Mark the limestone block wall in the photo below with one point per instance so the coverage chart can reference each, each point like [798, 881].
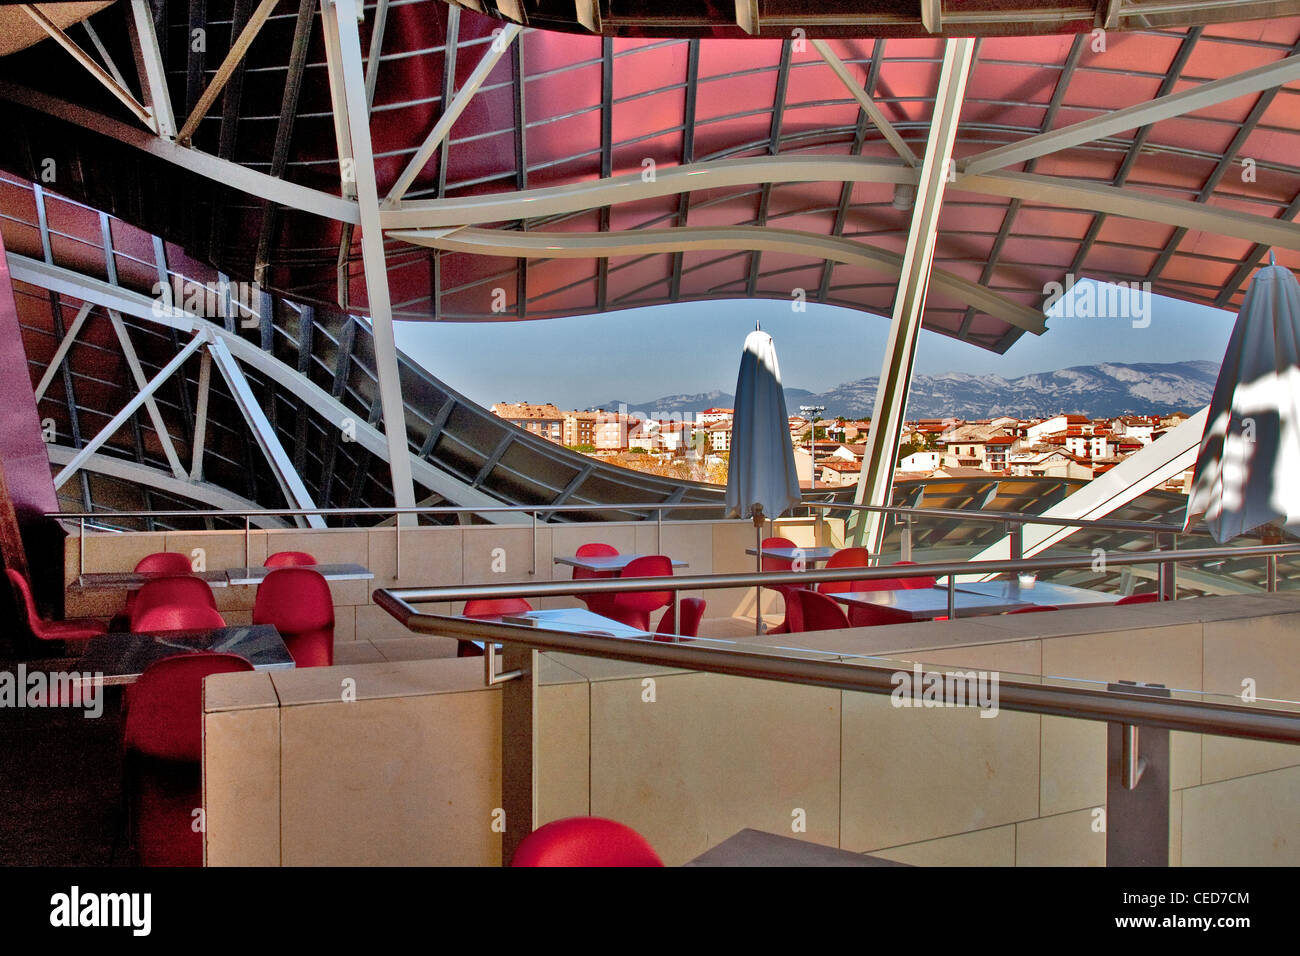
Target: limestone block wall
[409, 771]
[479, 554]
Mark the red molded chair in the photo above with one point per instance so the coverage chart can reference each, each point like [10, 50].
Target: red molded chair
[597, 603]
[289, 559]
[177, 617]
[864, 615]
[820, 613]
[633, 608]
[791, 624]
[170, 563]
[1034, 609]
[690, 611]
[917, 582]
[488, 607]
[297, 602]
[72, 629]
[163, 747]
[585, 841]
[495, 607]
[846, 558]
[183, 589]
[1148, 598]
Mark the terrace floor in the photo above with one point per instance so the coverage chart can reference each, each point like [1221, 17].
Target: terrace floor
[60, 782]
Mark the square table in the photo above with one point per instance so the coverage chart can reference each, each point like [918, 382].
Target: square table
[330, 572]
[923, 604]
[608, 562]
[810, 555]
[1041, 592]
[756, 848]
[123, 657]
[134, 580]
[575, 620]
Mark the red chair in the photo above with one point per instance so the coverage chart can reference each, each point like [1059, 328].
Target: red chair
[633, 607]
[184, 589]
[488, 607]
[871, 615]
[689, 611]
[170, 563]
[917, 582]
[72, 629]
[289, 559]
[846, 558]
[1149, 598]
[164, 562]
[298, 603]
[791, 624]
[1034, 609]
[585, 841]
[495, 607]
[163, 746]
[820, 613]
[597, 603]
[177, 617]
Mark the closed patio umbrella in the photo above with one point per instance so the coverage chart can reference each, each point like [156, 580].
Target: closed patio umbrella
[1248, 469]
[761, 467]
[761, 477]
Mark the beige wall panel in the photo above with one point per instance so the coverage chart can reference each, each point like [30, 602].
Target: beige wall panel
[563, 751]
[398, 781]
[1250, 821]
[993, 847]
[1065, 840]
[713, 755]
[914, 774]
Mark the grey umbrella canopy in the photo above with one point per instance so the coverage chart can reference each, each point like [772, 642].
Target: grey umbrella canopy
[761, 468]
[1248, 469]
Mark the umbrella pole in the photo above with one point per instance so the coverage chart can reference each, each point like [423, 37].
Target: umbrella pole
[758, 560]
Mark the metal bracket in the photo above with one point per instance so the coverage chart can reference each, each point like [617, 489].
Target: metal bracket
[1137, 788]
[491, 676]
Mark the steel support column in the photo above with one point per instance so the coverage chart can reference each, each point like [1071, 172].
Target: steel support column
[346, 44]
[877, 476]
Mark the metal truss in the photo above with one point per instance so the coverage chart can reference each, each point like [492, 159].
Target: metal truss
[201, 493]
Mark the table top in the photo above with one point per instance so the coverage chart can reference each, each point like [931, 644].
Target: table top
[810, 555]
[1042, 592]
[922, 604]
[576, 620]
[756, 848]
[134, 580]
[331, 572]
[123, 657]
[607, 562]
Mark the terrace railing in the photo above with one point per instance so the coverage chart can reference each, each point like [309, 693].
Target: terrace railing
[1139, 717]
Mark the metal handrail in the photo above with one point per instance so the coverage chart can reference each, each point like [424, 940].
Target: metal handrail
[697, 582]
[1193, 716]
[894, 510]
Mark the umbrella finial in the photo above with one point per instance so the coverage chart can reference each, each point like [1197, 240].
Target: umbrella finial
[757, 326]
[1272, 257]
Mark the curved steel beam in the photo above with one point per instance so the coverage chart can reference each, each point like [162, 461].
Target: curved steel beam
[222, 171]
[633, 242]
[575, 197]
[89, 289]
[1141, 114]
[203, 492]
[1096, 197]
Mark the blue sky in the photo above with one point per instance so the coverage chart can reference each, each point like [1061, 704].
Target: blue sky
[642, 354]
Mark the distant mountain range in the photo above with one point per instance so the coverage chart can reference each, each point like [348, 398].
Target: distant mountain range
[1097, 391]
